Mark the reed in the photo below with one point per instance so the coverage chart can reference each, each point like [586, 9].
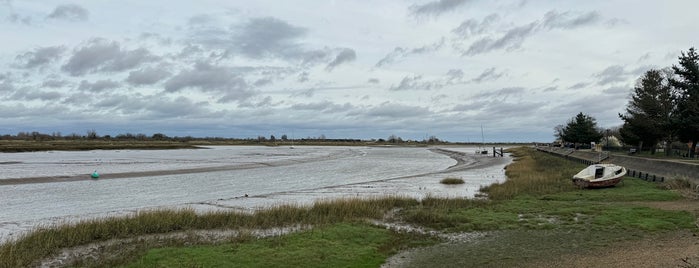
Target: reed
[533, 173]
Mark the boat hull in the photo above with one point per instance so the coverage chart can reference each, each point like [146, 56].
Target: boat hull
[596, 184]
[599, 176]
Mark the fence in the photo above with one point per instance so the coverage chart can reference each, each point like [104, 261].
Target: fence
[585, 159]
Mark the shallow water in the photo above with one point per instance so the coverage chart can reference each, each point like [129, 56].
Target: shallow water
[267, 175]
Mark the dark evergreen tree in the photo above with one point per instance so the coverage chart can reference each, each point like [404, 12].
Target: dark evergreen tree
[581, 129]
[686, 82]
[648, 114]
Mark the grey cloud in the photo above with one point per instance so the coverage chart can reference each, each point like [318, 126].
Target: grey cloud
[102, 55]
[511, 110]
[98, 86]
[473, 106]
[262, 82]
[262, 37]
[346, 55]
[399, 53]
[201, 20]
[7, 86]
[565, 20]
[502, 93]
[127, 104]
[611, 74]
[16, 18]
[208, 78]
[510, 40]
[69, 12]
[77, 98]
[265, 102]
[550, 89]
[147, 76]
[472, 27]
[13, 16]
[303, 77]
[515, 37]
[488, 75]
[618, 91]
[326, 106]
[415, 83]
[455, 75]
[156, 37]
[305, 93]
[591, 105]
[391, 57]
[54, 83]
[310, 57]
[615, 21]
[128, 59]
[29, 95]
[178, 107]
[373, 81]
[578, 85]
[644, 57]
[394, 110]
[40, 56]
[436, 8]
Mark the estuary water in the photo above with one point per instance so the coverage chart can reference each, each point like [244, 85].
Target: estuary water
[45, 188]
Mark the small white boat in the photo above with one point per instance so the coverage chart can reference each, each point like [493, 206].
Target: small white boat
[599, 175]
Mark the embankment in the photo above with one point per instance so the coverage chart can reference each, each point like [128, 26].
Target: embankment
[648, 168]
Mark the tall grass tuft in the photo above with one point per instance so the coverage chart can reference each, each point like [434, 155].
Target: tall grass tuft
[452, 181]
[534, 173]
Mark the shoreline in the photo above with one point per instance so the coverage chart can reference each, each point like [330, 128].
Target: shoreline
[414, 184]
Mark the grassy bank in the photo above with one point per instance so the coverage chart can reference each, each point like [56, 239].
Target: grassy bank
[337, 245]
[535, 215]
[82, 145]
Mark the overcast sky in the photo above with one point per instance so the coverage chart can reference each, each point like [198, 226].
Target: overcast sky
[343, 69]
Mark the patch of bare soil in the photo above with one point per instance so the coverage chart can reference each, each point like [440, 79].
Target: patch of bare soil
[101, 250]
[678, 249]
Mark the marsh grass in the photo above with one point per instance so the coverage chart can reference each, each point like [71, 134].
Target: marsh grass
[79, 145]
[533, 173]
[335, 245]
[45, 241]
[452, 181]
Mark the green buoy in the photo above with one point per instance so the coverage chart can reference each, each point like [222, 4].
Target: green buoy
[95, 175]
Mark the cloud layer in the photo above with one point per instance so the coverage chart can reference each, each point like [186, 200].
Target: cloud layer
[343, 70]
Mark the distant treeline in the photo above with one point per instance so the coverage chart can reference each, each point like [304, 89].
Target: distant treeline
[93, 135]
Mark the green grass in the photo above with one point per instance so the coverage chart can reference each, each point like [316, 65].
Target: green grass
[339, 245]
[515, 248]
[536, 214]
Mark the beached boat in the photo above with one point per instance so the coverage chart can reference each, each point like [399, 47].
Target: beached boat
[599, 175]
